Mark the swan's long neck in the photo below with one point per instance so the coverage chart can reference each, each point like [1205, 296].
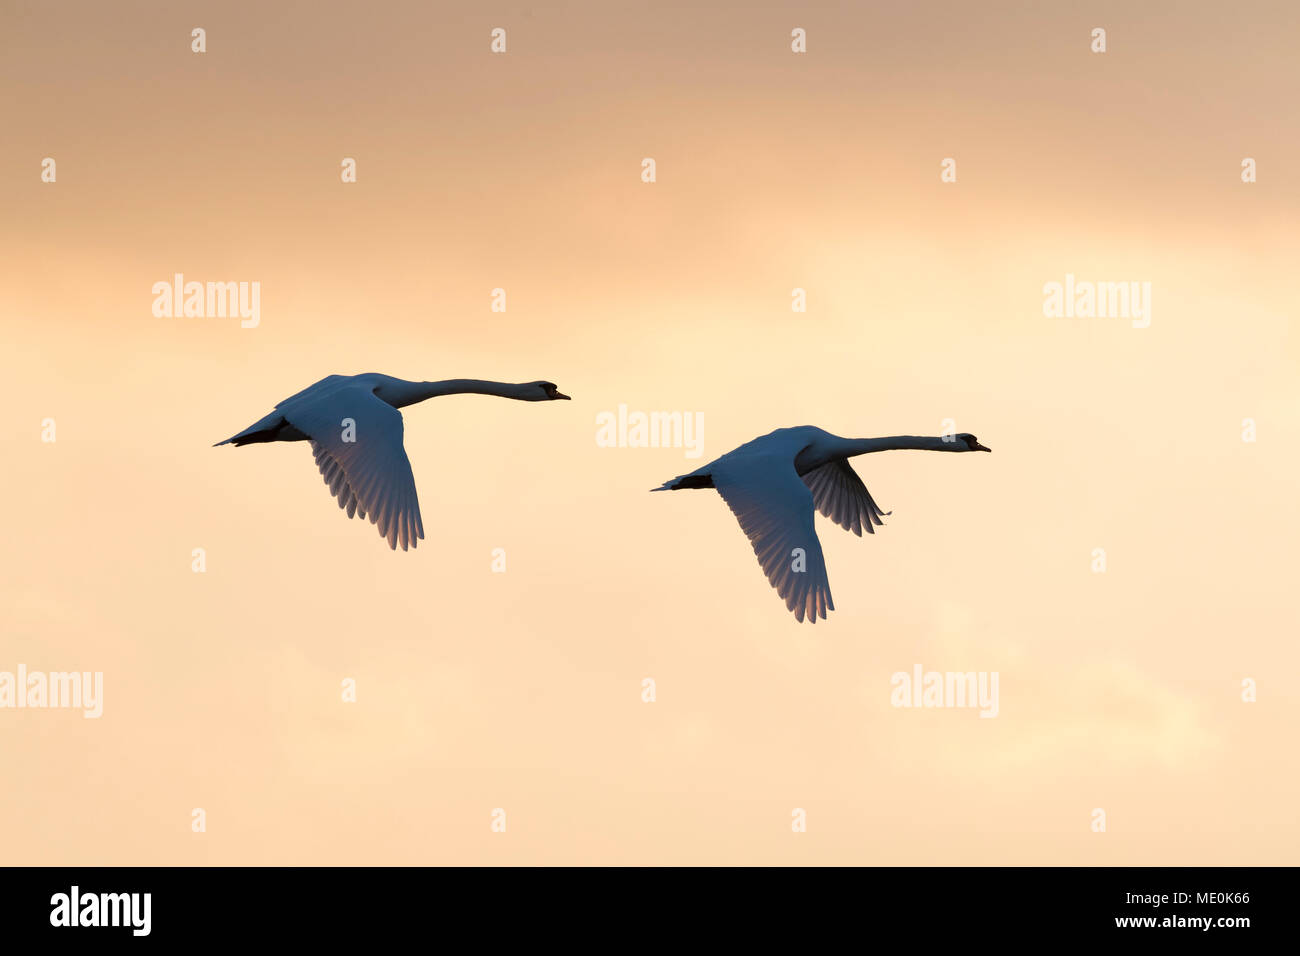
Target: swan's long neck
[864, 446]
[408, 393]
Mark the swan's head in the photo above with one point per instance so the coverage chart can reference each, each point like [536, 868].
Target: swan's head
[543, 392]
[970, 442]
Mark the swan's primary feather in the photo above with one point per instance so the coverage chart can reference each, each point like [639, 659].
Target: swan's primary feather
[840, 495]
[775, 510]
[371, 475]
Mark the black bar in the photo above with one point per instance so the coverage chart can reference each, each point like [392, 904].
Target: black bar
[209, 904]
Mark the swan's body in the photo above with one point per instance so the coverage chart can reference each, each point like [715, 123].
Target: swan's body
[355, 430]
[773, 483]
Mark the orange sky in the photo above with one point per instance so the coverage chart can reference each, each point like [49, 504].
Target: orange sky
[522, 690]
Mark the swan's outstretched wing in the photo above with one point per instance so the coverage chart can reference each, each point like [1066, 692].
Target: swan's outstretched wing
[357, 440]
[775, 510]
[840, 495]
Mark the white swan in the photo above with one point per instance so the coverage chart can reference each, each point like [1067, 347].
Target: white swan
[355, 430]
[772, 485]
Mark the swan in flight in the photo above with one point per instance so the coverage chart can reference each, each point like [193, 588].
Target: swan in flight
[773, 483]
[355, 430]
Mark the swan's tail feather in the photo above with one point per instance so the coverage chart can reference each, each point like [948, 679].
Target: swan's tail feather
[692, 480]
[271, 428]
[246, 438]
[238, 440]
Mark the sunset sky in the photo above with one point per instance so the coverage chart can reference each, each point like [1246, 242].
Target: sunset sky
[775, 171]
